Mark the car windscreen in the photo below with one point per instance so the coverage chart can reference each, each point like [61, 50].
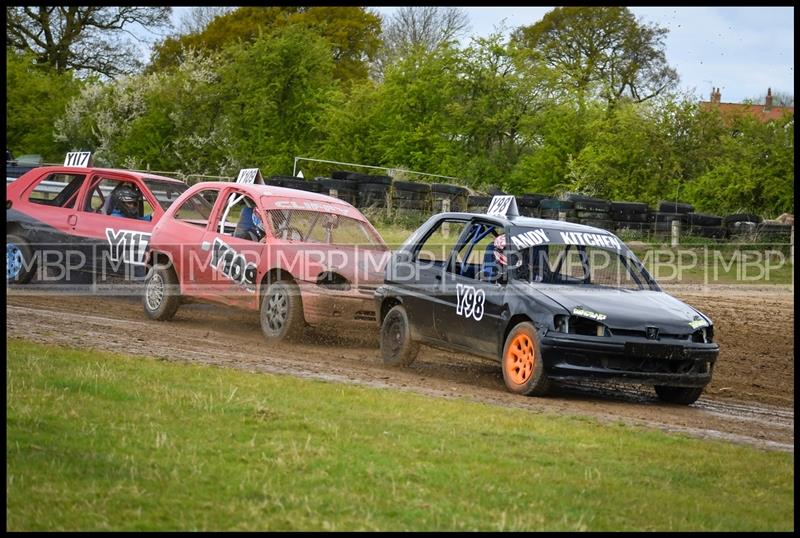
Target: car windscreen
[165, 192]
[321, 227]
[576, 258]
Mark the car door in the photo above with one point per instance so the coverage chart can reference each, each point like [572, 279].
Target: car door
[46, 211]
[181, 234]
[234, 245]
[423, 286]
[471, 312]
[114, 244]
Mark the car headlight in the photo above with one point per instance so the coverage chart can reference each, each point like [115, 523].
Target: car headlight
[579, 325]
[703, 335]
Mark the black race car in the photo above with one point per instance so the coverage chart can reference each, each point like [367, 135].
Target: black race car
[551, 300]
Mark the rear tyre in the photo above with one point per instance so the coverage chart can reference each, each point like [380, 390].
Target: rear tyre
[397, 347]
[162, 295]
[282, 312]
[19, 260]
[523, 367]
[679, 395]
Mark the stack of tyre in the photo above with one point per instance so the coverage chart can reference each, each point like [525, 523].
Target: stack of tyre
[591, 211]
[741, 224]
[291, 182]
[661, 220]
[770, 231]
[361, 190]
[478, 203]
[551, 208]
[340, 186]
[704, 225]
[458, 196]
[528, 204]
[630, 216]
[411, 196]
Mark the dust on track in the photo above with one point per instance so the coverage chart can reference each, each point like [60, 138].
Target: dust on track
[750, 399]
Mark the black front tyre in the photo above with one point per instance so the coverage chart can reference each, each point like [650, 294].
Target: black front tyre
[282, 312]
[679, 395]
[397, 347]
[161, 293]
[19, 260]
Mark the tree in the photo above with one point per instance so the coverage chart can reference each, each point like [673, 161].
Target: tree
[274, 91]
[198, 18]
[353, 33]
[420, 26]
[601, 52]
[35, 96]
[89, 39]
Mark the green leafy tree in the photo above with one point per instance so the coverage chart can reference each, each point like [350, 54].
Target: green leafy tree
[353, 32]
[35, 96]
[754, 170]
[602, 52]
[496, 94]
[274, 92]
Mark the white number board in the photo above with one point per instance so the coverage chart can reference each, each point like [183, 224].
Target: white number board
[249, 176]
[502, 206]
[78, 158]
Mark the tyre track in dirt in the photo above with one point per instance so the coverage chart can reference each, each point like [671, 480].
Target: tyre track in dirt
[227, 337]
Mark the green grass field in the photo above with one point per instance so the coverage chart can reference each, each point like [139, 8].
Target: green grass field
[102, 441]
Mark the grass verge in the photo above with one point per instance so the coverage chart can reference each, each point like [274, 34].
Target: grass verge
[103, 441]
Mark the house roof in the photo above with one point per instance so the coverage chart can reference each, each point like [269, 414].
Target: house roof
[760, 112]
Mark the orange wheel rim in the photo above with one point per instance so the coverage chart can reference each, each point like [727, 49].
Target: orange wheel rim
[520, 358]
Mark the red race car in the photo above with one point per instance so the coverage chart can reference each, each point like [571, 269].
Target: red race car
[297, 257]
[67, 220]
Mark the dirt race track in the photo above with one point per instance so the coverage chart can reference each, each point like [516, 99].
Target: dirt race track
[750, 399]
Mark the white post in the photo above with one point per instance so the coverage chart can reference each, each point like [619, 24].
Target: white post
[334, 193]
[445, 225]
[562, 215]
[791, 246]
[676, 232]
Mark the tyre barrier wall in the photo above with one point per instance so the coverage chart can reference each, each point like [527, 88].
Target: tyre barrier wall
[378, 191]
[373, 191]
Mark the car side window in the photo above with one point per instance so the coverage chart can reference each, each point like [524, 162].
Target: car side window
[57, 190]
[436, 248]
[117, 198]
[475, 257]
[196, 210]
[240, 217]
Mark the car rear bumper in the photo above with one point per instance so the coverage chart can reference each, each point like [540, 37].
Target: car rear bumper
[673, 363]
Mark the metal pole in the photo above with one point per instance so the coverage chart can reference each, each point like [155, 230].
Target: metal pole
[373, 167]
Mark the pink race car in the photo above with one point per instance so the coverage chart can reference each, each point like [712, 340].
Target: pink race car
[297, 257]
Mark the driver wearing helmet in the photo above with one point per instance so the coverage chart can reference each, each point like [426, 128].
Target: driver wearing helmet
[125, 203]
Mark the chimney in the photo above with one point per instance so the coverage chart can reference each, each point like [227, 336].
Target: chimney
[768, 101]
[715, 96]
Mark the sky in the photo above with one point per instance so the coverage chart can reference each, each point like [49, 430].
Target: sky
[741, 50]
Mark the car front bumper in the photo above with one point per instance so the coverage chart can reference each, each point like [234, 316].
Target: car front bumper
[678, 363]
[324, 306]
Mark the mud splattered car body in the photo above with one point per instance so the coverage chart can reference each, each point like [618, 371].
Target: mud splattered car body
[297, 257]
[572, 302]
[62, 217]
